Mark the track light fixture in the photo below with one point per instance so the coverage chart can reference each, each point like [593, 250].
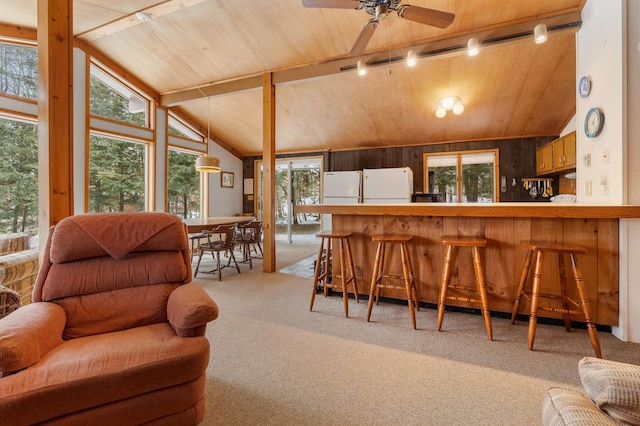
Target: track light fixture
[540, 33]
[412, 58]
[362, 69]
[473, 46]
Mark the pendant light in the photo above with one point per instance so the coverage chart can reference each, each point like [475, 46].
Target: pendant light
[204, 163]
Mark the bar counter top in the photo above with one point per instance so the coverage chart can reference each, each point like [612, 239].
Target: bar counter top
[531, 210]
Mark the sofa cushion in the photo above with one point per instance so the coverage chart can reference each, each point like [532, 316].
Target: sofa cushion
[92, 371]
[18, 272]
[29, 333]
[567, 407]
[11, 243]
[613, 386]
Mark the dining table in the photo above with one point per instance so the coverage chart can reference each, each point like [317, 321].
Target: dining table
[195, 225]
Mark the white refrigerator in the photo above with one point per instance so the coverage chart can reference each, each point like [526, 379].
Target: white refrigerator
[340, 188]
[384, 186]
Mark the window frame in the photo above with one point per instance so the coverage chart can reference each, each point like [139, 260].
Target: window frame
[459, 163]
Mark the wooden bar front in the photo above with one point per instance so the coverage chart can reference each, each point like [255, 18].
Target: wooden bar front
[503, 256]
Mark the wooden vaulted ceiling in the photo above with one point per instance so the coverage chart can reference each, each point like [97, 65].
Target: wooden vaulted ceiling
[205, 57]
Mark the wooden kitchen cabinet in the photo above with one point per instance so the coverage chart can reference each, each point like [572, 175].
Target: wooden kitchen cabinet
[544, 159]
[564, 152]
[557, 156]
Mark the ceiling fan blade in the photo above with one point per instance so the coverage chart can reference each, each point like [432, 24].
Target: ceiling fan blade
[332, 4]
[364, 37]
[435, 18]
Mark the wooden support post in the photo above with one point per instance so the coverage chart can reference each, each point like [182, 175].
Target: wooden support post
[55, 112]
[269, 172]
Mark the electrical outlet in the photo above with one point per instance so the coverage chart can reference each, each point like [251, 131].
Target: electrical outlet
[586, 160]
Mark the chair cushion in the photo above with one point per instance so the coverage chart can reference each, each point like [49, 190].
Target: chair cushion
[613, 386]
[567, 407]
[94, 371]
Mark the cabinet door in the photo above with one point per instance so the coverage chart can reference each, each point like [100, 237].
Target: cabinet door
[544, 159]
[570, 150]
[558, 154]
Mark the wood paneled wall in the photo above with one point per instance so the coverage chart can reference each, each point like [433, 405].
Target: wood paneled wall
[517, 160]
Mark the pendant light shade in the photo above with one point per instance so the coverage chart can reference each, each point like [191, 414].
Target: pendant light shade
[206, 164]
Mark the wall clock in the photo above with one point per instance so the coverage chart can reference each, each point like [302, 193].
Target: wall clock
[593, 122]
[584, 87]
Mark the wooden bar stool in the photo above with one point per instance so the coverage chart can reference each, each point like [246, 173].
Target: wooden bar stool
[539, 248]
[451, 244]
[323, 272]
[409, 283]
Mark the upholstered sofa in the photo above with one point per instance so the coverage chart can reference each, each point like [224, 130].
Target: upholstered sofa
[115, 332]
[612, 396]
[18, 267]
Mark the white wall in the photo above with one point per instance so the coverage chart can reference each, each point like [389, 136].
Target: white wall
[600, 55]
[608, 51]
[225, 201]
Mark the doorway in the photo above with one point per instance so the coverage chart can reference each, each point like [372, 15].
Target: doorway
[297, 181]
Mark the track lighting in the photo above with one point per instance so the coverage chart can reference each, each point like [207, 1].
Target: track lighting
[540, 33]
[473, 47]
[412, 58]
[362, 69]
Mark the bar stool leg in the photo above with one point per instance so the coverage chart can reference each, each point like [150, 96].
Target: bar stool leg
[535, 293]
[352, 271]
[375, 278]
[584, 300]
[328, 255]
[566, 316]
[345, 294]
[444, 285]
[414, 290]
[316, 274]
[523, 281]
[408, 282]
[482, 289]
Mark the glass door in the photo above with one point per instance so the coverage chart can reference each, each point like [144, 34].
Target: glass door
[297, 181]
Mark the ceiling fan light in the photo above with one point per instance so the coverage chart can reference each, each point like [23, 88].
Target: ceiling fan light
[441, 112]
[458, 108]
[206, 164]
[362, 69]
[540, 33]
[412, 58]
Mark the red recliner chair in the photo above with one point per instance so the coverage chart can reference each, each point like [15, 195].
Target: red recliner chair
[115, 333]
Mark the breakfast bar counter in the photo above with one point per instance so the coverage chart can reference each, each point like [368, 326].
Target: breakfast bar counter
[504, 225]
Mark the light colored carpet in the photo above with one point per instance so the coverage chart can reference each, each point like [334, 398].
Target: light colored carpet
[275, 363]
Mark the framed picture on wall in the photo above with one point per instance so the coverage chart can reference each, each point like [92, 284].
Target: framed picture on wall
[226, 179]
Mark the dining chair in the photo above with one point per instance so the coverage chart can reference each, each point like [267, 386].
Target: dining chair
[250, 238]
[220, 239]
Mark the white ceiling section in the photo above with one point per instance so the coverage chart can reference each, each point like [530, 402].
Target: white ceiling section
[512, 88]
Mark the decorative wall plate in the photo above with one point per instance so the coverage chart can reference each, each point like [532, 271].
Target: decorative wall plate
[584, 86]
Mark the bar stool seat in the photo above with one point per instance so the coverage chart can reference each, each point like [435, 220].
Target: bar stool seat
[407, 277]
[451, 244]
[540, 248]
[323, 276]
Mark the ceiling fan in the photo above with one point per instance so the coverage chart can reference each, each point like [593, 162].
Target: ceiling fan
[379, 9]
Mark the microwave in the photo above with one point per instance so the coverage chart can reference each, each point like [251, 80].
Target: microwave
[420, 197]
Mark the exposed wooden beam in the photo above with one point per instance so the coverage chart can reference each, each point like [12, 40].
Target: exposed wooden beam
[155, 11]
[269, 172]
[55, 111]
[12, 32]
[453, 45]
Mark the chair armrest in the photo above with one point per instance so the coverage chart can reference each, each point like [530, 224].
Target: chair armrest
[28, 333]
[189, 309]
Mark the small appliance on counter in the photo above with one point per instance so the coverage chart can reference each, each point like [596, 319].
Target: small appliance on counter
[420, 197]
[564, 198]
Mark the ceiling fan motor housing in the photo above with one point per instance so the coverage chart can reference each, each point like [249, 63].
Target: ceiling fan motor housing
[380, 8]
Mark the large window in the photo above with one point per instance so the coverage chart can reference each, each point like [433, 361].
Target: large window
[184, 184]
[18, 177]
[111, 99]
[19, 70]
[462, 177]
[116, 175]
